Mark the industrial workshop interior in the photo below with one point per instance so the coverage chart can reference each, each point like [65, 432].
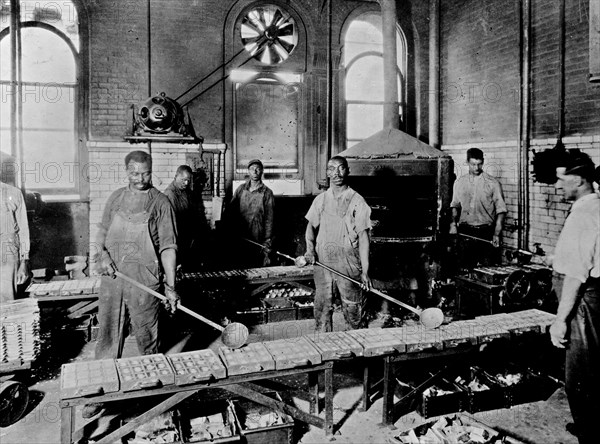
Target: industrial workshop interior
[300, 221]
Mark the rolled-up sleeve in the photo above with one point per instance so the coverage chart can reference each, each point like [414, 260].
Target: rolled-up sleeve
[314, 216]
[362, 217]
[499, 203]
[165, 226]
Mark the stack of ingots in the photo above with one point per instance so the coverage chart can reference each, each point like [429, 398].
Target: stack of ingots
[19, 331]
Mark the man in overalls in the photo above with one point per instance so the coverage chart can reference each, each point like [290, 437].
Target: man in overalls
[137, 237]
[577, 323]
[338, 235]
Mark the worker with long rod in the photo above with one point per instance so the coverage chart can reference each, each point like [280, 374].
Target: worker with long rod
[338, 235]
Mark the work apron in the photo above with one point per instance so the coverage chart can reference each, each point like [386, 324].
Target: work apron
[582, 365]
[9, 238]
[130, 246]
[337, 247]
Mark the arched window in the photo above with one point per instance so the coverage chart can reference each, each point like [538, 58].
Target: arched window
[363, 83]
[48, 38]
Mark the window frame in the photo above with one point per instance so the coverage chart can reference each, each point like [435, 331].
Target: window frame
[79, 191]
[346, 66]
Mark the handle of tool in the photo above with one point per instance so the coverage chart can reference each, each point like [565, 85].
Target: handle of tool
[264, 248]
[476, 238]
[372, 290]
[164, 298]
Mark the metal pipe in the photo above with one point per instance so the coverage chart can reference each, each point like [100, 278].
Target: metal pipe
[389, 19]
[434, 73]
[524, 126]
[149, 25]
[329, 74]
[14, 23]
[561, 70]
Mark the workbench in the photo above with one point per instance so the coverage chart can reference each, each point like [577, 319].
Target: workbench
[236, 370]
[240, 385]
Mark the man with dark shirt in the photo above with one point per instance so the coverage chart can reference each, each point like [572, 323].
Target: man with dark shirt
[250, 215]
[189, 216]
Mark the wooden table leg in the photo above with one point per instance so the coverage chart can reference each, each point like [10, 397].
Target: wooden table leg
[313, 390]
[366, 400]
[329, 401]
[389, 386]
[67, 422]
[145, 417]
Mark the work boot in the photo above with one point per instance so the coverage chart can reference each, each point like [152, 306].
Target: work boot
[91, 410]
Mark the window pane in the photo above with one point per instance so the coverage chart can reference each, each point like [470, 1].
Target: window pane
[46, 57]
[363, 120]
[49, 157]
[62, 15]
[364, 80]
[364, 34]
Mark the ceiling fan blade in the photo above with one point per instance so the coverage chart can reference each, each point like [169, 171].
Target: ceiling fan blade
[248, 32]
[286, 29]
[286, 46]
[277, 18]
[281, 52]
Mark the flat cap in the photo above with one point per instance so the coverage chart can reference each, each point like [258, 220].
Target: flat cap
[256, 162]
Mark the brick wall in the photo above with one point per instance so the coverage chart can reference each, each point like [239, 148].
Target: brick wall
[480, 71]
[547, 209]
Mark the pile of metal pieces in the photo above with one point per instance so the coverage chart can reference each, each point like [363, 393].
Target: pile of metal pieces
[153, 371]
[161, 429]
[19, 331]
[65, 288]
[456, 429]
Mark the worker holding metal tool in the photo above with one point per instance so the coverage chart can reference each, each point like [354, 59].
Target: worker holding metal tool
[478, 212]
[250, 215]
[137, 237]
[338, 235]
[577, 323]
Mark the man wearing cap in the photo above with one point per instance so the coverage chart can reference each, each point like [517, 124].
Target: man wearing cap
[338, 235]
[478, 211]
[250, 215]
[577, 323]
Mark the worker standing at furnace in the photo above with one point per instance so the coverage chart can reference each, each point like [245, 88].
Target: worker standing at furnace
[577, 323]
[478, 211]
[338, 235]
[250, 215]
[137, 237]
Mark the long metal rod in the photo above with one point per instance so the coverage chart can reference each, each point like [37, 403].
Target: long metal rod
[163, 298]
[334, 271]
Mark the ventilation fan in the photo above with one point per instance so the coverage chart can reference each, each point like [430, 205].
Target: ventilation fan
[269, 34]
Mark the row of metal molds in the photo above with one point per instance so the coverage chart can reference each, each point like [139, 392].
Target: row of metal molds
[71, 287]
[250, 274]
[153, 371]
